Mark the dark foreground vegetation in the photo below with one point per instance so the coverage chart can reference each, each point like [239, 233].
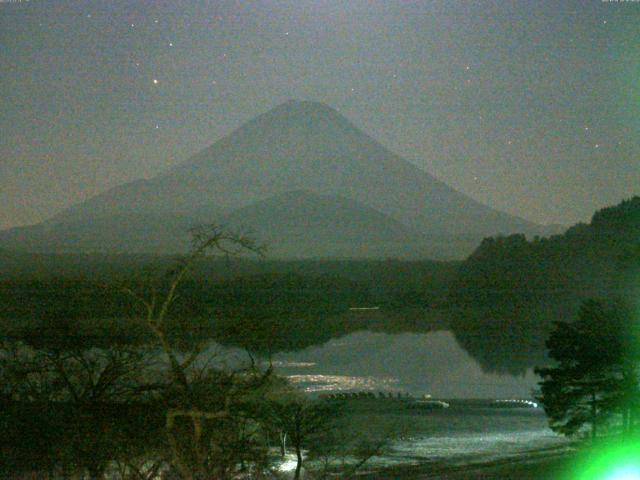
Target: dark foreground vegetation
[595, 377]
[120, 413]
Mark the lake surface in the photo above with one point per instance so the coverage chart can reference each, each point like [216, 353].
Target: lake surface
[467, 434]
[434, 364]
[417, 363]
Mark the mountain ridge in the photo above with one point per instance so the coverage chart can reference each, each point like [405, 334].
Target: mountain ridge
[299, 145]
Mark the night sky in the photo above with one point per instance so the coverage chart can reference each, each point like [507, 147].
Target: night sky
[530, 107]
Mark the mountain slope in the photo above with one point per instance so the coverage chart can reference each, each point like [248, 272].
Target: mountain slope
[304, 224]
[298, 224]
[132, 233]
[303, 145]
[295, 146]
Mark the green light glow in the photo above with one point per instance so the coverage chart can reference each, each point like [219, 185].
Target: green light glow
[608, 461]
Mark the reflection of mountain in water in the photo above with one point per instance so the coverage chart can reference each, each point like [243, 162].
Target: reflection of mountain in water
[483, 334]
[419, 363]
[504, 340]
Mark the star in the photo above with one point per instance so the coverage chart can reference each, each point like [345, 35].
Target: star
[155, 81]
[597, 145]
[170, 44]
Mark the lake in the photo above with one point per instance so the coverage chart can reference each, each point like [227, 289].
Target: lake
[425, 364]
[417, 363]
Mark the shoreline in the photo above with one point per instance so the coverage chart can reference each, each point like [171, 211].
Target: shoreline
[544, 464]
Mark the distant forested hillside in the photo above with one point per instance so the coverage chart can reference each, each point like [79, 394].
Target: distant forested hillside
[587, 259]
[284, 305]
[511, 290]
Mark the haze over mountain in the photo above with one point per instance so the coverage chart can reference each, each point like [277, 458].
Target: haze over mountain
[351, 196]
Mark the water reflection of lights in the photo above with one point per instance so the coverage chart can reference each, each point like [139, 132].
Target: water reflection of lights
[286, 364]
[323, 383]
[518, 402]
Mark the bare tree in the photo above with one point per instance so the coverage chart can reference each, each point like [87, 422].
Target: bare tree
[202, 404]
[157, 300]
